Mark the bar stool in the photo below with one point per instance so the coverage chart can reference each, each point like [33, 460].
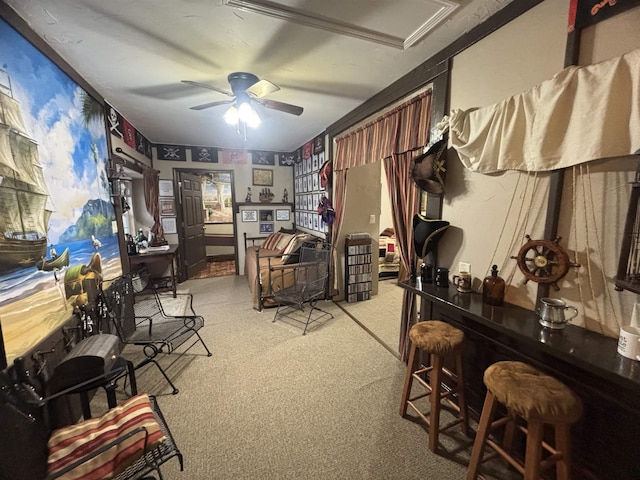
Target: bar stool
[539, 400]
[439, 339]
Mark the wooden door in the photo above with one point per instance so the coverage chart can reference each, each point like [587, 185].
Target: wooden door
[193, 242]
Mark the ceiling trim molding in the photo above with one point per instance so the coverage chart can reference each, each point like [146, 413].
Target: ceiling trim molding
[282, 12]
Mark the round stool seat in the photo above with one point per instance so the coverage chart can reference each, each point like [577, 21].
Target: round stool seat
[532, 394]
[436, 337]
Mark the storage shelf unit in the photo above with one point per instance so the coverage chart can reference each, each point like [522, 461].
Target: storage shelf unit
[358, 267]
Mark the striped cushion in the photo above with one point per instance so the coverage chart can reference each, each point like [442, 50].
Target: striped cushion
[69, 444]
[271, 241]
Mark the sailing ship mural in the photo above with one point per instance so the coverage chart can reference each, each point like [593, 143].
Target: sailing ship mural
[56, 216]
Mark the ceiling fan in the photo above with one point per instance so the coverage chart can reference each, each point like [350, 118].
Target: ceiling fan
[245, 89]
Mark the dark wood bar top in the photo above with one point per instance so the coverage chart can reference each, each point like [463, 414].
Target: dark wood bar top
[604, 440]
[587, 350]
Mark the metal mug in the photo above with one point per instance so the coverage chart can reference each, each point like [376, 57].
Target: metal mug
[463, 282]
[552, 313]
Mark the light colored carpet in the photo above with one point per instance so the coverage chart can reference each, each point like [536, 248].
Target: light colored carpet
[273, 404]
[381, 314]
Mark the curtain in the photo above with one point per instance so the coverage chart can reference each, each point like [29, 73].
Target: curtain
[151, 180]
[579, 115]
[394, 138]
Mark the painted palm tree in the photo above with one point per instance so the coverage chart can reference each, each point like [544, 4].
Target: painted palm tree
[92, 111]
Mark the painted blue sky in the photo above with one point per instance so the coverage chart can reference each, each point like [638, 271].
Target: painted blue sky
[52, 111]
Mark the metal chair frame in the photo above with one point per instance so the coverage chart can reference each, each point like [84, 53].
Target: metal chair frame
[311, 275]
[151, 327]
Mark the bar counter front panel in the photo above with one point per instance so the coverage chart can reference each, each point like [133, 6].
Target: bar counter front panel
[606, 440]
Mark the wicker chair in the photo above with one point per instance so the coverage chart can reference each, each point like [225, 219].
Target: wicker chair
[311, 275]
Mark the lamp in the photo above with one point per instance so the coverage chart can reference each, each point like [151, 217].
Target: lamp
[120, 183]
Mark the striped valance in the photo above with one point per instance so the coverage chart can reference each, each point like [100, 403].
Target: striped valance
[404, 128]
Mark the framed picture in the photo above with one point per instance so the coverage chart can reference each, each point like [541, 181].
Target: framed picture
[283, 215]
[262, 176]
[167, 207]
[266, 215]
[165, 188]
[249, 215]
[266, 228]
[169, 225]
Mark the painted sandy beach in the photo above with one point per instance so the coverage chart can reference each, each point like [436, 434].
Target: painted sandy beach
[27, 321]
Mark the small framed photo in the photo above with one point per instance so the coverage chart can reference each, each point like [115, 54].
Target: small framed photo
[283, 215]
[263, 177]
[165, 188]
[249, 215]
[266, 215]
[167, 206]
[169, 225]
[266, 228]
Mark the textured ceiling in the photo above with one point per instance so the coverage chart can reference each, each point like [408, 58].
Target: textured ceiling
[328, 56]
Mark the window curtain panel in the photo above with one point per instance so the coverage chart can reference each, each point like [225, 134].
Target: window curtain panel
[151, 181]
[404, 194]
[581, 114]
[394, 138]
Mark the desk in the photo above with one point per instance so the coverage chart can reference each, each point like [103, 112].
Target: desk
[605, 439]
[155, 256]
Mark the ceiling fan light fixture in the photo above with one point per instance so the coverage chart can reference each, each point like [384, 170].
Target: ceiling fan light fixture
[248, 115]
[232, 116]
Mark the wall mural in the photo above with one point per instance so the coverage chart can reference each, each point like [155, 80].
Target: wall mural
[57, 224]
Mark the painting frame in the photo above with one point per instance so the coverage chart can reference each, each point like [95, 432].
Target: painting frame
[169, 225]
[249, 215]
[266, 227]
[283, 215]
[165, 188]
[262, 177]
[167, 206]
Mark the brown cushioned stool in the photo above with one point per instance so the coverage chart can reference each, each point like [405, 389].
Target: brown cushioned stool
[440, 340]
[539, 400]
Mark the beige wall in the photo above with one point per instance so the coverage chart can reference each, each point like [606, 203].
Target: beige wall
[490, 214]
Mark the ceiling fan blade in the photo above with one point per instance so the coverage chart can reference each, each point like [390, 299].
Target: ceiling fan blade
[211, 104]
[283, 107]
[208, 87]
[262, 88]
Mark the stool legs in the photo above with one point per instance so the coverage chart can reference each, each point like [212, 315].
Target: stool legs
[533, 464]
[434, 389]
[563, 444]
[434, 414]
[408, 380]
[481, 436]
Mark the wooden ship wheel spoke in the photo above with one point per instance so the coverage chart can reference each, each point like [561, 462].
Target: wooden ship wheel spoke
[543, 261]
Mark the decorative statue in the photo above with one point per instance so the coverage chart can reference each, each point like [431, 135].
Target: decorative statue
[285, 196]
[248, 197]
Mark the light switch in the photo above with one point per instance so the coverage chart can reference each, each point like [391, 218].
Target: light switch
[372, 219]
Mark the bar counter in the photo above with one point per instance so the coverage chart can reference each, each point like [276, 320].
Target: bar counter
[605, 439]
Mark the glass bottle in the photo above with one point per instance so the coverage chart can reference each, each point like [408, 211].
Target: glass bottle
[493, 288]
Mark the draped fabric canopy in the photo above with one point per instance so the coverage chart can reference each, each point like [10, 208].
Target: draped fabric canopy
[581, 114]
[151, 181]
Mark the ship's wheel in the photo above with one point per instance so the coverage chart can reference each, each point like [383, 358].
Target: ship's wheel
[543, 261]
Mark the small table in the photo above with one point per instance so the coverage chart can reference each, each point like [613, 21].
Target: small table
[155, 256]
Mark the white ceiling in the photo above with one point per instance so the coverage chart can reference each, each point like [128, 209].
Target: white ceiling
[328, 56]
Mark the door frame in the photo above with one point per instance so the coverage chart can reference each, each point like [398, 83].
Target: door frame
[182, 268]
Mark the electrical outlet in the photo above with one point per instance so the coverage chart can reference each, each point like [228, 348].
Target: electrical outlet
[464, 267]
[372, 219]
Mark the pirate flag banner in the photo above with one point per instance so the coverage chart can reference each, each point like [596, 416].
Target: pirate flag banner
[175, 153]
[263, 158]
[204, 154]
[114, 120]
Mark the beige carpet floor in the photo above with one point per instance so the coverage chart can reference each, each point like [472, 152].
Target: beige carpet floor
[274, 404]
